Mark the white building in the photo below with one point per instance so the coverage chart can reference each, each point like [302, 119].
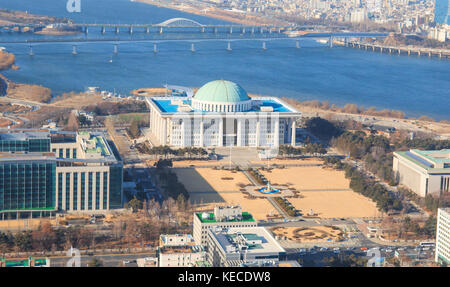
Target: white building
[234, 247]
[442, 253]
[179, 250]
[222, 114]
[424, 172]
[224, 217]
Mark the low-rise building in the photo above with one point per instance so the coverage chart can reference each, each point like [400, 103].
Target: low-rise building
[245, 246]
[442, 254]
[223, 216]
[179, 250]
[423, 171]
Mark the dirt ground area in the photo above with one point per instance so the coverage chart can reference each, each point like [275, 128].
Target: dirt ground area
[5, 123]
[289, 161]
[308, 178]
[309, 234]
[194, 163]
[23, 224]
[325, 191]
[208, 187]
[335, 204]
[77, 101]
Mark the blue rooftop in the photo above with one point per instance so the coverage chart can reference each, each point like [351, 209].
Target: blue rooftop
[165, 105]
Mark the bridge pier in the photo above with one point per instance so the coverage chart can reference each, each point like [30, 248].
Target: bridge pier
[270, 30]
[86, 30]
[409, 52]
[429, 54]
[31, 53]
[147, 30]
[192, 48]
[261, 30]
[155, 48]
[229, 46]
[202, 29]
[252, 31]
[117, 30]
[279, 30]
[116, 49]
[103, 30]
[74, 50]
[160, 30]
[418, 53]
[130, 30]
[231, 30]
[264, 45]
[330, 42]
[399, 51]
[243, 30]
[215, 30]
[297, 44]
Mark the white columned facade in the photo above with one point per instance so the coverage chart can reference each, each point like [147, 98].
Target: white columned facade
[257, 133]
[239, 132]
[201, 133]
[293, 133]
[277, 133]
[220, 140]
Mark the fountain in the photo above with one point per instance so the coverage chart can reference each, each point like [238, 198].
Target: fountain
[268, 189]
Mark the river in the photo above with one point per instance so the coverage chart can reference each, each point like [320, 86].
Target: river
[415, 85]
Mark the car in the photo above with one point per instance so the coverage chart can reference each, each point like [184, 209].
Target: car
[323, 249]
[389, 250]
[363, 248]
[126, 262]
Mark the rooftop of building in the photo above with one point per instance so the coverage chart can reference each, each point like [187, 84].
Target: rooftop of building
[171, 105]
[221, 91]
[206, 217]
[181, 249]
[21, 135]
[250, 239]
[431, 160]
[94, 145]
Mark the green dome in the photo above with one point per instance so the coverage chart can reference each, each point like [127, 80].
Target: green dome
[221, 91]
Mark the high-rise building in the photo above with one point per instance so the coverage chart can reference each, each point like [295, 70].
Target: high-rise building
[442, 11]
[42, 172]
[442, 254]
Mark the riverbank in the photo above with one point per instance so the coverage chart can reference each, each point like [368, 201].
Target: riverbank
[212, 12]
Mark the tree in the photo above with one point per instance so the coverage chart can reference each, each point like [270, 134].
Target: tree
[95, 262]
[181, 202]
[23, 241]
[134, 130]
[44, 237]
[135, 204]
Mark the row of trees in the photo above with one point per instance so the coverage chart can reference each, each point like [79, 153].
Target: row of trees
[375, 150]
[384, 199]
[429, 228]
[166, 151]
[310, 148]
[47, 238]
[114, 108]
[284, 204]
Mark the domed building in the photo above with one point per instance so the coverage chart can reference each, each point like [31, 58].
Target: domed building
[221, 113]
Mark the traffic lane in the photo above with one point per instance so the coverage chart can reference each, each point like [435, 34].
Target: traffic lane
[109, 260]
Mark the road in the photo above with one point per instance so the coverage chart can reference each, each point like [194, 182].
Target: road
[109, 260]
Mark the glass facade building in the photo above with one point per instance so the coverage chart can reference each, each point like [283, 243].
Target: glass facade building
[77, 172]
[27, 185]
